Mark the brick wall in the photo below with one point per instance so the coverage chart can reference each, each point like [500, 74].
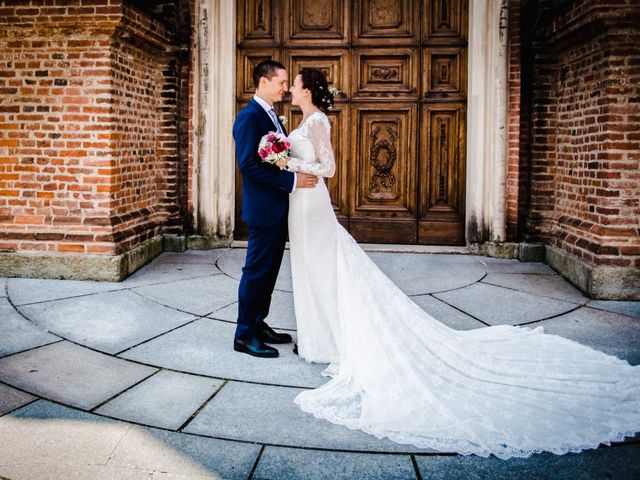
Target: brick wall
[584, 146]
[88, 127]
[513, 177]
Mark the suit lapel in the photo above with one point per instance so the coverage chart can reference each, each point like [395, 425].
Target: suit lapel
[266, 116]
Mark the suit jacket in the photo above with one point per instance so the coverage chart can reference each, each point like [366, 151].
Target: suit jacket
[265, 188]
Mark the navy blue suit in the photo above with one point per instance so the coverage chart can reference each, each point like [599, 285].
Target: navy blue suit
[265, 203]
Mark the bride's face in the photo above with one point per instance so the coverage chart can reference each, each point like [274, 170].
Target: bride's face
[299, 94]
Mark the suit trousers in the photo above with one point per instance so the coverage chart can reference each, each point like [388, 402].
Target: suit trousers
[264, 256]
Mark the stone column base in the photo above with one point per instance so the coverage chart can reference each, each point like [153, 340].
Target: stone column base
[80, 266]
[597, 281]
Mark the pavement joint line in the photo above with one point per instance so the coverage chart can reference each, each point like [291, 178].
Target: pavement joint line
[535, 294]
[137, 362]
[297, 447]
[255, 464]
[234, 322]
[578, 307]
[415, 467]
[17, 408]
[201, 407]
[460, 310]
[92, 410]
[120, 289]
[32, 348]
[451, 289]
[221, 308]
[72, 297]
[611, 311]
[166, 306]
[117, 354]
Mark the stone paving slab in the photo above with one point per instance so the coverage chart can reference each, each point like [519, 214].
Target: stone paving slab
[231, 264]
[512, 265]
[612, 333]
[415, 274]
[162, 272]
[267, 414]
[11, 399]
[53, 441]
[23, 291]
[502, 306]
[44, 433]
[198, 296]
[418, 274]
[74, 470]
[302, 464]
[109, 322]
[446, 314]
[205, 347]
[70, 374]
[196, 257]
[178, 455]
[552, 286]
[619, 463]
[17, 333]
[281, 313]
[166, 399]
[632, 309]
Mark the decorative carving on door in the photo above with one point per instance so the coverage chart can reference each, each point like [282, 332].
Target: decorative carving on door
[383, 158]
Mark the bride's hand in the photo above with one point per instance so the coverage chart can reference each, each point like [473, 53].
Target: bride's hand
[282, 163]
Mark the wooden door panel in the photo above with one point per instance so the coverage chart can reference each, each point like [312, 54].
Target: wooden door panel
[442, 168]
[258, 22]
[383, 174]
[386, 22]
[333, 62]
[444, 74]
[388, 74]
[398, 127]
[247, 60]
[314, 22]
[444, 21]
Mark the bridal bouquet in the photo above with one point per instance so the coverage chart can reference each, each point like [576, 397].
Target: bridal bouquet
[273, 147]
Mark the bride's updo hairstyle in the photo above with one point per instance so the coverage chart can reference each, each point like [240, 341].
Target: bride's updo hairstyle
[316, 82]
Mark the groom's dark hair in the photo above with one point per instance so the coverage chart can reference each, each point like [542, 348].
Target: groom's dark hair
[266, 68]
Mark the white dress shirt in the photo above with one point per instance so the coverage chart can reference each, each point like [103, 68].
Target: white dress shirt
[265, 105]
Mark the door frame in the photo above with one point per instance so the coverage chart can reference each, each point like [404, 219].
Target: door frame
[214, 103]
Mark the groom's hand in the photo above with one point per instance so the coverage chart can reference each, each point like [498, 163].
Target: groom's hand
[304, 180]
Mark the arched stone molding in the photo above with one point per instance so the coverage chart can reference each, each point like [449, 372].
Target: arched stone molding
[213, 189]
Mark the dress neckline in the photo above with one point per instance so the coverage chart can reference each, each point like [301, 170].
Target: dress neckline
[308, 118]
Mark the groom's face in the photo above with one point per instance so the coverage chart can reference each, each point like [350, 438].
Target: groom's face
[273, 90]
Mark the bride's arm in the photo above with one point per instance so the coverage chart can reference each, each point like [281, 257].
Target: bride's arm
[325, 164]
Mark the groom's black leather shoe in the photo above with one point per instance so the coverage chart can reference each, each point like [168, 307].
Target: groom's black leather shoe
[254, 347]
[267, 334]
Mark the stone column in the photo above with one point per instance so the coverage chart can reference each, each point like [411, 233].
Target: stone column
[214, 110]
[487, 117]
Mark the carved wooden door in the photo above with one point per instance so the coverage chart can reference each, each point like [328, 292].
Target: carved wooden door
[399, 123]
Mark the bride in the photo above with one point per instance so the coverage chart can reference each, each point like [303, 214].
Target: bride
[399, 373]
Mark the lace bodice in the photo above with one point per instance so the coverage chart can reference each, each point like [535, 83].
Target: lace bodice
[311, 150]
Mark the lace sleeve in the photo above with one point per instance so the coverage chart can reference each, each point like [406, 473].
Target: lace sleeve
[318, 133]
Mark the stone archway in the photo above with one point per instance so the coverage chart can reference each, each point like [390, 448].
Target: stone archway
[215, 100]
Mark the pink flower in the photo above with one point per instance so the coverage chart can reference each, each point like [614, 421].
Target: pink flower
[262, 153]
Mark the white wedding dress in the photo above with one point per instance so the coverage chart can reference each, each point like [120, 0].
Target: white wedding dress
[401, 374]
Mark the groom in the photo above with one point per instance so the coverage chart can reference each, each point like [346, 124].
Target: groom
[265, 202]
